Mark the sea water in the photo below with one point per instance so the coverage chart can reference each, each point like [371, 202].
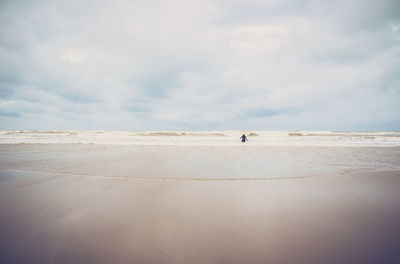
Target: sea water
[205, 155]
[205, 138]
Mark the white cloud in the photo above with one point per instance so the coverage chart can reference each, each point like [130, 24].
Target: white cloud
[73, 56]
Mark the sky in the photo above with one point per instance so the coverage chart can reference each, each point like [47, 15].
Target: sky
[200, 65]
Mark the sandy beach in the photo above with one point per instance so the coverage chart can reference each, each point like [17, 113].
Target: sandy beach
[89, 203]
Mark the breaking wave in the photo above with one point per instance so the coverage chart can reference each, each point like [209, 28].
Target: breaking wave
[178, 134]
[256, 138]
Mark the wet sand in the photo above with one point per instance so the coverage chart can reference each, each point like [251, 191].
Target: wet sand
[55, 212]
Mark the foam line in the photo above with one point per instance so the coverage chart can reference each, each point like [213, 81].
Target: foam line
[182, 178]
[162, 178]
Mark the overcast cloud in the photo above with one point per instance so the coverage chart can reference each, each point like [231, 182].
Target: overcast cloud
[210, 64]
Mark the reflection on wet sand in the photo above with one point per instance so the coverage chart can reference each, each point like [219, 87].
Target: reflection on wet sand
[56, 217]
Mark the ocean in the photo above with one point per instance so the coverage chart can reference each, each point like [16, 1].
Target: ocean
[257, 138]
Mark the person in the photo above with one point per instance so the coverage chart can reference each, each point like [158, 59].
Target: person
[244, 138]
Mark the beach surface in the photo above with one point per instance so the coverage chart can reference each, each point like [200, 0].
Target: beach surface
[199, 203]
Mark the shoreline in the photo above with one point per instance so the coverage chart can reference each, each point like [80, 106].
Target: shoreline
[55, 210]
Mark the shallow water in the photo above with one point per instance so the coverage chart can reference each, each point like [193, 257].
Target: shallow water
[197, 162]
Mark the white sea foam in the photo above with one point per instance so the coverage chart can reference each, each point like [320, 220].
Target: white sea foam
[204, 138]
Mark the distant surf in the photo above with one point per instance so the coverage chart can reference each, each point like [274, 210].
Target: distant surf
[203, 138]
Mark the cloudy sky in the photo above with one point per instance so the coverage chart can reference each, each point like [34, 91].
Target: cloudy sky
[202, 65]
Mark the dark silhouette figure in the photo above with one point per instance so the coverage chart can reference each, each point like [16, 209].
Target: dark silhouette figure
[244, 138]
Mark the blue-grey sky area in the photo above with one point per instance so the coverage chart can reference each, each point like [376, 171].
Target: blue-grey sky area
[201, 65]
